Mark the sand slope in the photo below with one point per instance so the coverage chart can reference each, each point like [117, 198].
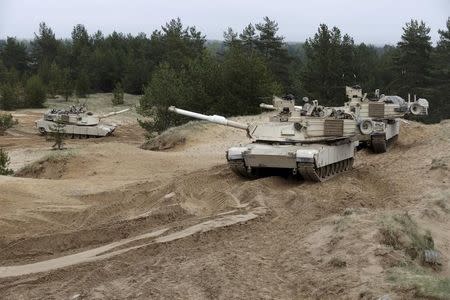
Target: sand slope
[89, 230]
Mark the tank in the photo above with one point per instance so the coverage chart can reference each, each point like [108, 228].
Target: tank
[78, 122]
[315, 145]
[379, 118]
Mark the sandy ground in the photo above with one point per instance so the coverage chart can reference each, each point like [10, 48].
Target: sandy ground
[108, 220]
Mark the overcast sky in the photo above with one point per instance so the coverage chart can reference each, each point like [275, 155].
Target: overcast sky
[371, 21]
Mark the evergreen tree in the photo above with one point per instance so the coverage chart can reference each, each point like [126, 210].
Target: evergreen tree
[35, 92]
[14, 55]
[44, 46]
[66, 87]
[4, 163]
[82, 85]
[322, 74]
[249, 39]
[117, 95]
[273, 49]
[9, 96]
[413, 61]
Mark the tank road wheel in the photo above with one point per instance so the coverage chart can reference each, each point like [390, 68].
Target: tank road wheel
[309, 172]
[238, 167]
[379, 144]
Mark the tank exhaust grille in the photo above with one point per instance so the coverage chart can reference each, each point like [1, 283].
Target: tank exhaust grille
[334, 127]
[376, 110]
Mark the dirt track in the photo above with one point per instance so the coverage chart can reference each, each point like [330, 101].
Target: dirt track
[115, 221]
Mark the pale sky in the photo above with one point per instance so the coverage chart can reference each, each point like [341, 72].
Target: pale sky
[371, 21]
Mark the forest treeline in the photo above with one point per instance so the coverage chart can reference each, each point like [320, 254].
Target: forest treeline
[176, 65]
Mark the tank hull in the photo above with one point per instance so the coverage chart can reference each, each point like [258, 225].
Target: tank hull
[99, 130]
[305, 160]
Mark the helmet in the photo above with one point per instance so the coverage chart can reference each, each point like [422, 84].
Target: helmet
[305, 99]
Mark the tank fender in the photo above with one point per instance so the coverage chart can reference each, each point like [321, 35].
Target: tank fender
[306, 155]
[236, 153]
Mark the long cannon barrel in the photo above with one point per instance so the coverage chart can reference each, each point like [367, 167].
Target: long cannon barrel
[114, 113]
[271, 107]
[214, 118]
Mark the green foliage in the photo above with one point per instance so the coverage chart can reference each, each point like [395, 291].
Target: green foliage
[234, 86]
[6, 121]
[14, 55]
[9, 96]
[117, 95]
[402, 233]
[425, 283]
[4, 163]
[213, 73]
[412, 62]
[82, 85]
[35, 92]
[328, 66]
[66, 84]
[57, 134]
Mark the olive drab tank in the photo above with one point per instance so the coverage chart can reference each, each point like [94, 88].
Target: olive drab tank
[379, 118]
[78, 122]
[316, 144]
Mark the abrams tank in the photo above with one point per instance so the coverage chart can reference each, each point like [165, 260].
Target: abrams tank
[316, 144]
[379, 118]
[78, 122]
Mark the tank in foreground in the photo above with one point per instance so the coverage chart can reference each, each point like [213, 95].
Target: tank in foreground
[316, 143]
[379, 118]
[78, 122]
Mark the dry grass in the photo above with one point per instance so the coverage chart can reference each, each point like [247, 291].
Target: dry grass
[425, 283]
[402, 233]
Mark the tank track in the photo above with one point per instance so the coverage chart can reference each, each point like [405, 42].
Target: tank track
[379, 143]
[309, 171]
[239, 168]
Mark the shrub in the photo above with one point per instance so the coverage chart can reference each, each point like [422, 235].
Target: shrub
[117, 95]
[4, 163]
[6, 121]
[35, 93]
[9, 97]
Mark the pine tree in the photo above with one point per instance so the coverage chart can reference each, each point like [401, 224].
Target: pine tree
[35, 93]
[117, 94]
[413, 60]
[322, 74]
[4, 163]
[66, 88]
[14, 55]
[82, 85]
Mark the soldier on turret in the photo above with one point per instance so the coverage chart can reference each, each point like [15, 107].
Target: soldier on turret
[306, 106]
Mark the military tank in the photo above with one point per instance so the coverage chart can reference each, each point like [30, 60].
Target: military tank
[315, 145]
[379, 118]
[78, 122]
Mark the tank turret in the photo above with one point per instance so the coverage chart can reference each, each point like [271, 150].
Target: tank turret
[316, 145]
[78, 122]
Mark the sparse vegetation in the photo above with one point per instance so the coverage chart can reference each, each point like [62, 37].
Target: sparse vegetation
[425, 283]
[57, 134]
[6, 121]
[4, 163]
[402, 233]
[337, 262]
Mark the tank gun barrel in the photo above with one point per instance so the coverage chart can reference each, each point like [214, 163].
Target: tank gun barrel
[114, 113]
[213, 119]
[271, 107]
